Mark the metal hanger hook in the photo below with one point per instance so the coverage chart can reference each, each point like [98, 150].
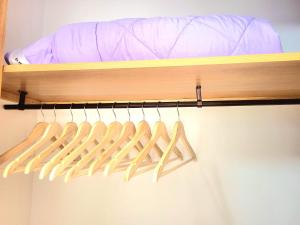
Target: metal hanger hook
[99, 115]
[42, 112]
[143, 110]
[113, 109]
[178, 114]
[158, 111]
[129, 116]
[54, 111]
[84, 109]
[72, 116]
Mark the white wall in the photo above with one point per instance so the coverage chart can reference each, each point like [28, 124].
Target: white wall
[248, 169]
[68, 11]
[290, 36]
[284, 15]
[24, 24]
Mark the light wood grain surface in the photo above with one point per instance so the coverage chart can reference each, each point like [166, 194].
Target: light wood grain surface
[271, 76]
[3, 8]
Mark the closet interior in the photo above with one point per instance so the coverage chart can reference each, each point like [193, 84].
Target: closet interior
[130, 148]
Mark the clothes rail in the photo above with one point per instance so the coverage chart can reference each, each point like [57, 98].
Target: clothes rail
[160, 104]
[154, 104]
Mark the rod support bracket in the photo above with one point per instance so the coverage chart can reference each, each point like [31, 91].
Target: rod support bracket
[22, 99]
[199, 96]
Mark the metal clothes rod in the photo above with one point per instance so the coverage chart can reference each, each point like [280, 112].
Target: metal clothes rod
[198, 103]
[154, 104]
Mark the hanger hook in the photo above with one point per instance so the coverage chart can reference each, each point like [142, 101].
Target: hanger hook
[54, 111]
[84, 109]
[158, 111]
[72, 112]
[98, 111]
[143, 110]
[129, 116]
[113, 109]
[178, 114]
[42, 112]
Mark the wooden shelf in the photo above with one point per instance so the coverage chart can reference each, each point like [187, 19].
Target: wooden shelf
[271, 76]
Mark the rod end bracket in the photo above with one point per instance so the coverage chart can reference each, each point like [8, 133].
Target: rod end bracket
[22, 99]
[199, 96]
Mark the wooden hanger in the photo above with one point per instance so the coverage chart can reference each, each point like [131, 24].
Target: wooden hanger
[113, 132]
[143, 130]
[178, 134]
[83, 130]
[52, 131]
[96, 134]
[128, 130]
[160, 131]
[127, 133]
[68, 132]
[35, 135]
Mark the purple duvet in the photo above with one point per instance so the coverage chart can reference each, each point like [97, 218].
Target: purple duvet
[152, 38]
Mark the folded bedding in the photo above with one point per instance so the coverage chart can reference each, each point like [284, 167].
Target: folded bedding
[151, 38]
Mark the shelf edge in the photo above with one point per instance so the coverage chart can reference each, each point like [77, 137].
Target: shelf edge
[218, 60]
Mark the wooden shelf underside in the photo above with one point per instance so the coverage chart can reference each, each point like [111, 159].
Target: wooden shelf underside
[273, 76]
